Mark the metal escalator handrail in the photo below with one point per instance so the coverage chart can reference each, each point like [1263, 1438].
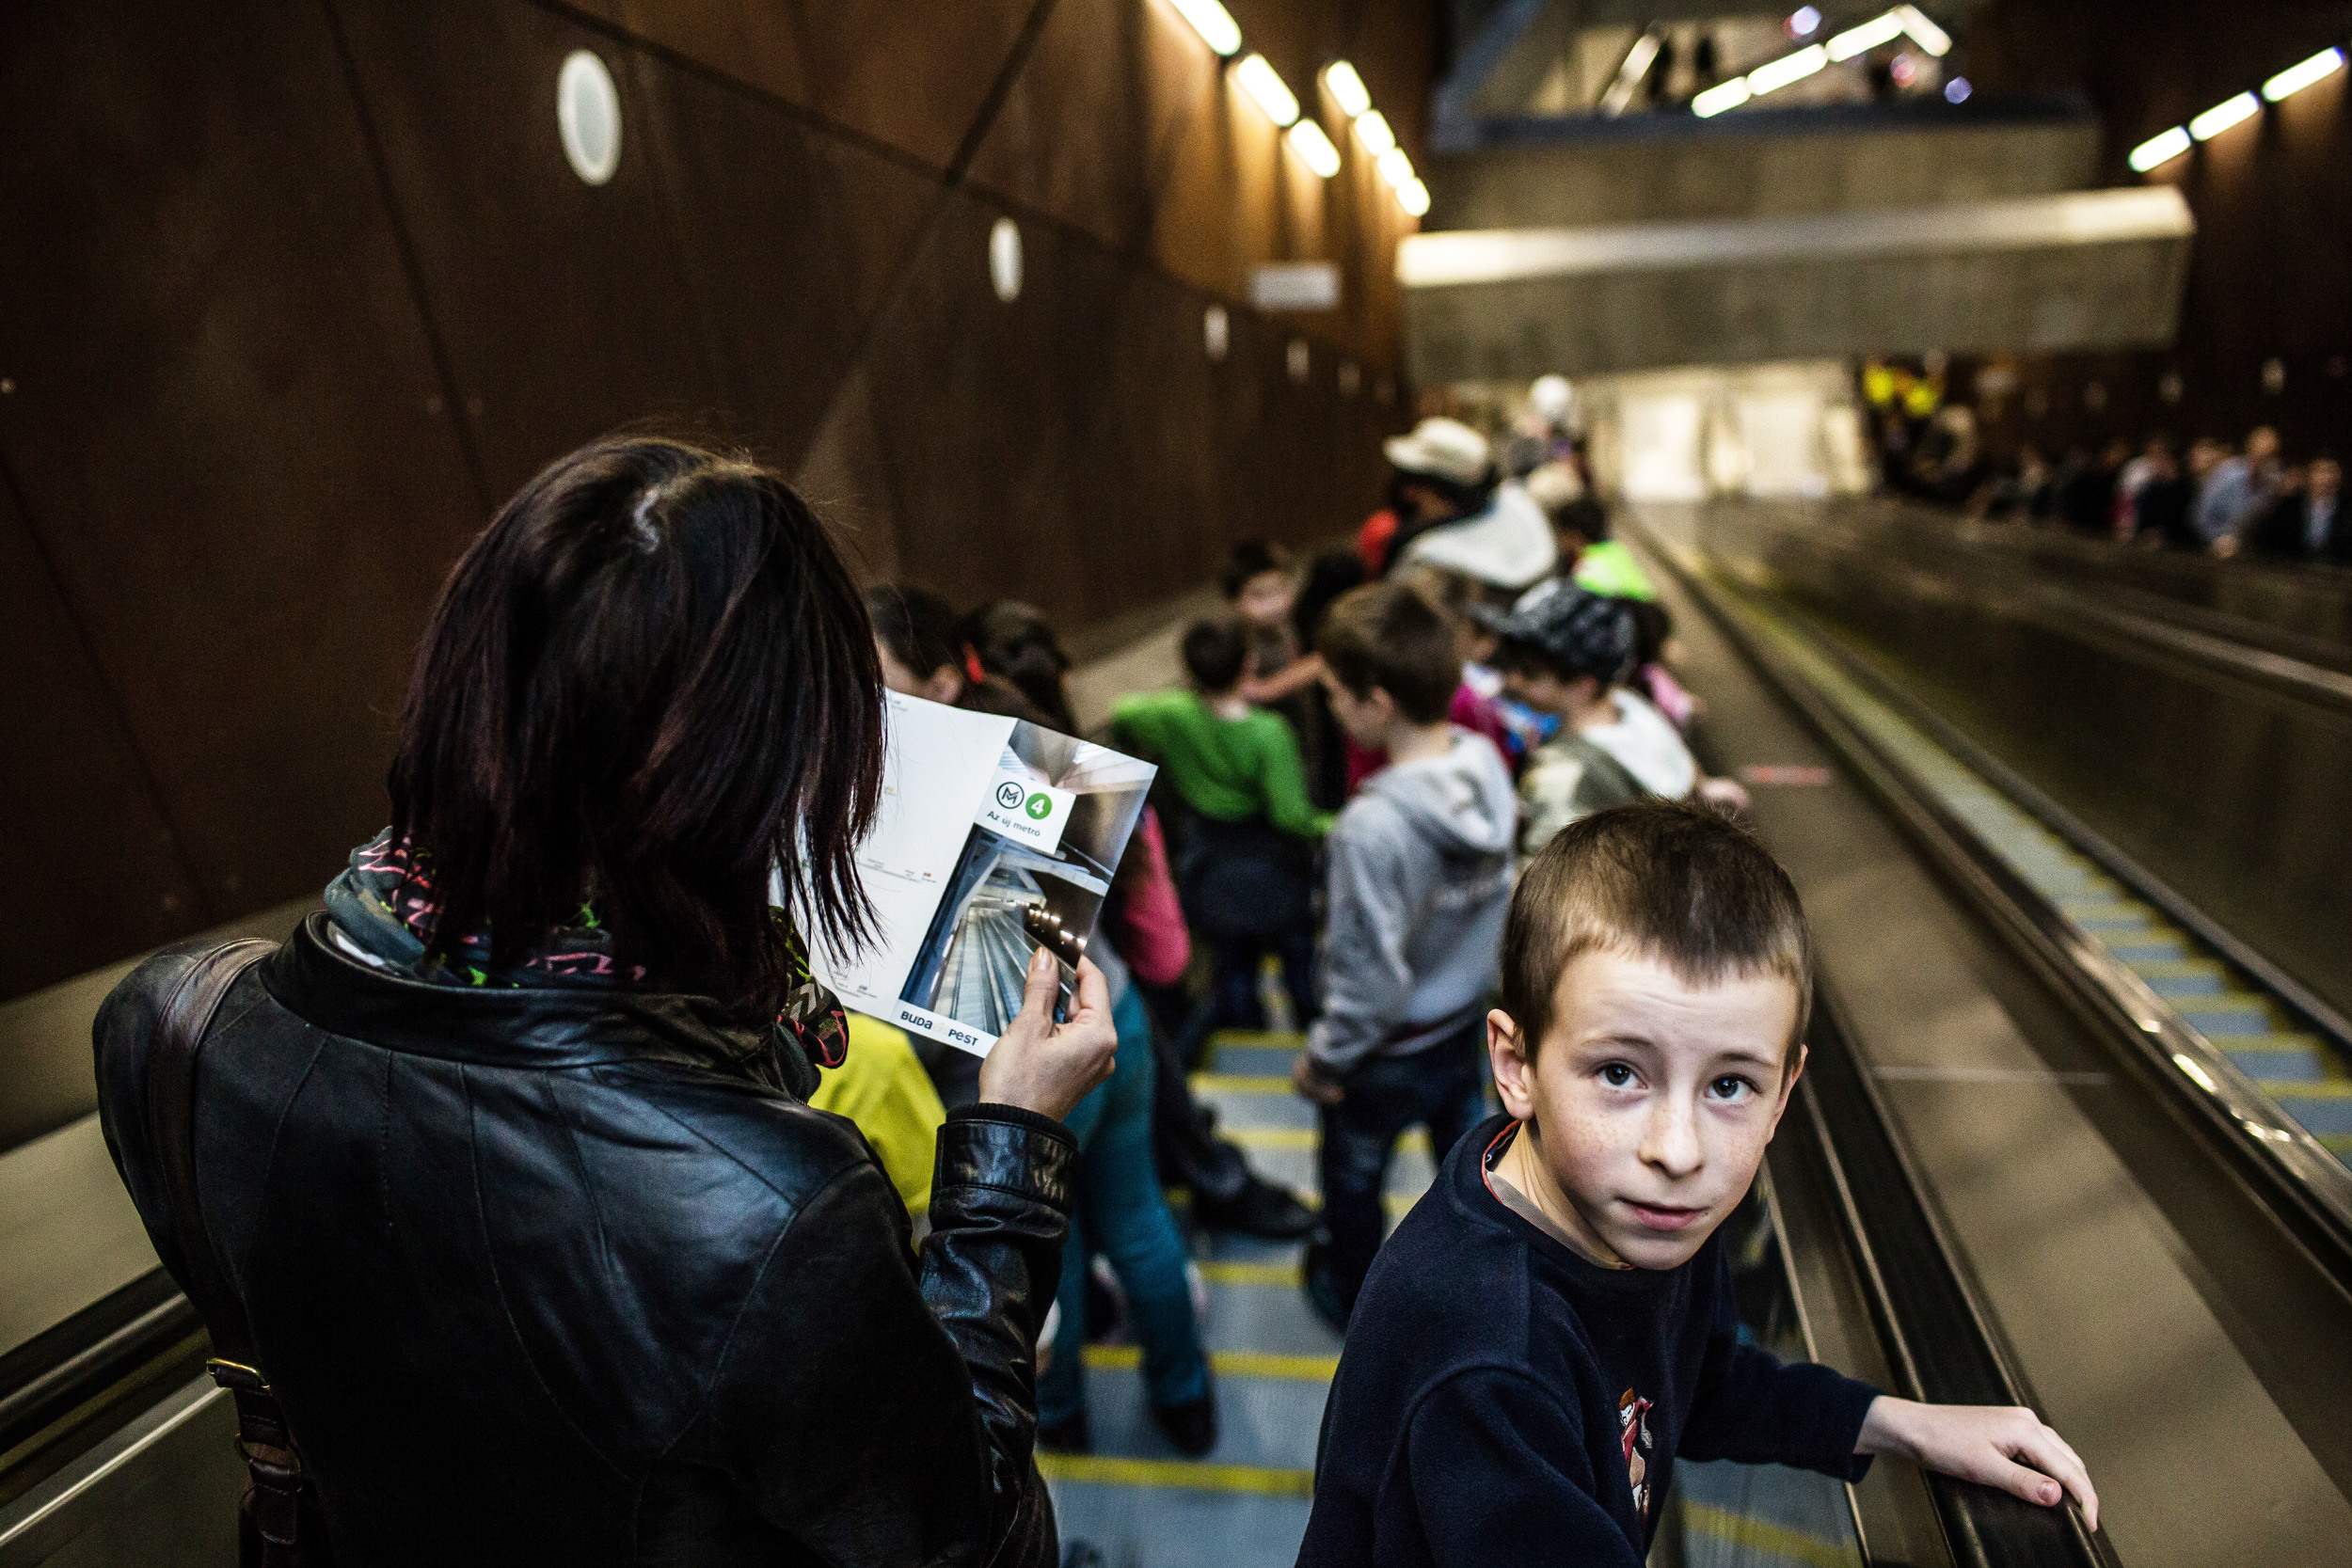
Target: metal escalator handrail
[2294, 1176]
[1941, 1342]
[63, 1368]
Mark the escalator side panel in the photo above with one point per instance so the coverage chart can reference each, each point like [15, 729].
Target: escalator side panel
[2089, 1283]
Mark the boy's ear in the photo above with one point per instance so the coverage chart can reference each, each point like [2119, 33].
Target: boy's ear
[1514, 1075]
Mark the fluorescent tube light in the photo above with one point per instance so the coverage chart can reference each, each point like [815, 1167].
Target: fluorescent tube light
[1308, 142]
[1265, 85]
[1396, 168]
[1348, 89]
[1212, 22]
[1724, 95]
[1372, 128]
[2162, 147]
[1926, 33]
[2295, 78]
[1860, 40]
[1413, 196]
[1775, 75]
[2224, 115]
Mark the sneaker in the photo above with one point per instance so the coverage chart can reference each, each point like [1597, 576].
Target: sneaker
[1191, 1425]
[1260, 1209]
[1315, 1281]
[1067, 1435]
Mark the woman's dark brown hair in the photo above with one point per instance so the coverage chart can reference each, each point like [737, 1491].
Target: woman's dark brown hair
[648, 684]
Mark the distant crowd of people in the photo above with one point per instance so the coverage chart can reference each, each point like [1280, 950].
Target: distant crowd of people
[2219, 500]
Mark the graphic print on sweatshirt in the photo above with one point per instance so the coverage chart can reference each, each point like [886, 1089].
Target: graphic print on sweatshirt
[1634, 1438]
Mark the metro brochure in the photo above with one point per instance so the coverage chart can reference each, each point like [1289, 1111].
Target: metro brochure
[995, 836]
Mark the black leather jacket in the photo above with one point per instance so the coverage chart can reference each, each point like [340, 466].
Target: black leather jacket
[540, 1276]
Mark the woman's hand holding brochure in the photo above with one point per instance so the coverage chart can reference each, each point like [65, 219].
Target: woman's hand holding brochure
[1048, 1068]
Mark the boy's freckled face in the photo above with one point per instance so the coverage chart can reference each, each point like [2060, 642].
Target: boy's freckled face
[1653, 1101]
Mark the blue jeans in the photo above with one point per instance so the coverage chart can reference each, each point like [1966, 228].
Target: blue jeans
[1233, 962]
[1121, 1213]
[1443, 1087]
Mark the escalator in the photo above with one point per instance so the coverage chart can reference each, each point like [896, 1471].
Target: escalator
[2110, 1112]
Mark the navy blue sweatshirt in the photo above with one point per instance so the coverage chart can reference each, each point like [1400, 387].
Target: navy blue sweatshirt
[1500, 1399]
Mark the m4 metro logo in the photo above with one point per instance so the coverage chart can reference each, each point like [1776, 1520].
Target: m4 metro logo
[1025, 811]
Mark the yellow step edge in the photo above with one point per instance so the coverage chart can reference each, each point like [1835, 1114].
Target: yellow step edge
[1250, 1273]
[1231, 1082]
[2281, 1040]
[2106, 909]
[1258, 1039]
[2337, 1143]
[1226, 1363]
[2176, 969]
[1751, 1534]
[1415, 1138]
[2307, 1088]
[1094, 1470]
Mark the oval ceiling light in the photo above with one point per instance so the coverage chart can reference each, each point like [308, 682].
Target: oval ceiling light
[2295, 78]
[1413, 196]
[1212, 22]
[2162, 147]
[1216, 332]
[1396, 168]
[1348, 89]
[1308, 140]
[588, 117]
[1372, 128]
[1298, 359]
[1003, 259]
[1775, 75]
[1260, 79]
[1881, 29]
[2229, 112]
[1724, 95]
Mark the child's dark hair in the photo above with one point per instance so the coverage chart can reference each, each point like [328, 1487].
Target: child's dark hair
[1385, 635]
[1016, 642]
[1663, 880]
[1216, 653]
[1252, 557]
[919, 627]
[1586, 517]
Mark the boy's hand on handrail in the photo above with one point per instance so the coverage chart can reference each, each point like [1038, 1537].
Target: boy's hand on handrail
[1992, 1445]
[1048, 1068]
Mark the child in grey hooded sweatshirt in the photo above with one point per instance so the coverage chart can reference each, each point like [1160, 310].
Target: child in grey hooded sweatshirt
[1419, 880]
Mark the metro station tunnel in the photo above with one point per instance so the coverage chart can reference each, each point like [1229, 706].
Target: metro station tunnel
[804, 781]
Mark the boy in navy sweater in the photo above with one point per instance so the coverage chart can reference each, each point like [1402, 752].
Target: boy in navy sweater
[1552, 1324]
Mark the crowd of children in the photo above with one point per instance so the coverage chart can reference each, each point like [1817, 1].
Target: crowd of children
[1441, 781]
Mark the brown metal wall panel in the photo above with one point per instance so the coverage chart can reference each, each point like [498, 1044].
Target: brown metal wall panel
[89, 859]
[226, 428]
[790, 239]
[1079, 135]
[911, 76]
[562, 302]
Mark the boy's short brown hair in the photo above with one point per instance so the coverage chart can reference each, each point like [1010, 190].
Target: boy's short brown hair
[1663, 880]
[1387, 636]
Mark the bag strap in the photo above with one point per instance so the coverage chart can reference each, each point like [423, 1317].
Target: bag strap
[1615, 773]
[262, 1436]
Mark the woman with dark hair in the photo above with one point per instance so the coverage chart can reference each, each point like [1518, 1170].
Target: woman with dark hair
[506, 1156]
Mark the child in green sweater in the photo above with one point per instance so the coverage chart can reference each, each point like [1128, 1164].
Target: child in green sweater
[1245, 868]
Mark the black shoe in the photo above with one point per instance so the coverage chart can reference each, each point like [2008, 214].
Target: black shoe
[1315, 1281]
[1067, 1435]
[1191, 1426]
[1260, 1209]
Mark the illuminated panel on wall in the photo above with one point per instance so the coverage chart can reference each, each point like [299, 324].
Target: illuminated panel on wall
[1212, 22]
[1260, 79]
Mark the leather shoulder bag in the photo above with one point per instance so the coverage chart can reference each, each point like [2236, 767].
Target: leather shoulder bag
[279, 1524]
